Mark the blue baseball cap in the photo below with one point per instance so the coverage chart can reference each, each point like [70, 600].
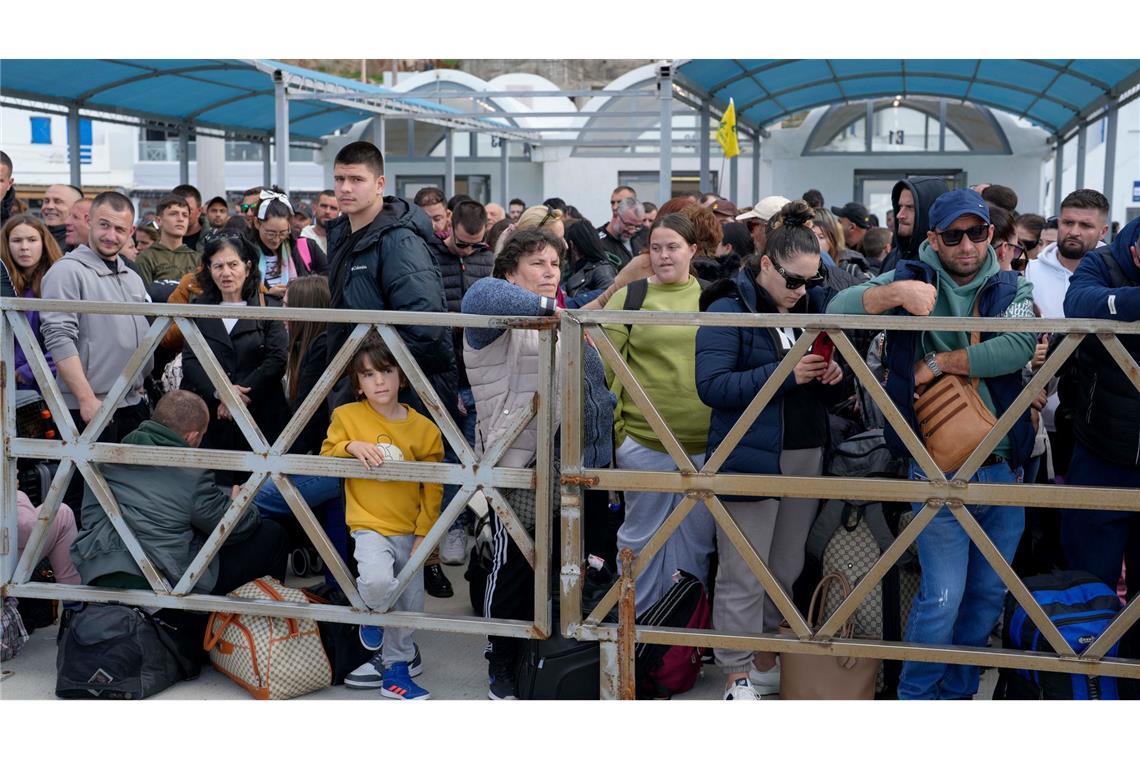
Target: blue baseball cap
[956, 203]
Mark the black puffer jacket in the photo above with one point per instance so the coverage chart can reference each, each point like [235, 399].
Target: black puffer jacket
[459, 274]
[924, 190]
[391, 267]
[6, 204]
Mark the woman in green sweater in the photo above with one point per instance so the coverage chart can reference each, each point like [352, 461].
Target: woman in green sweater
[662, 358]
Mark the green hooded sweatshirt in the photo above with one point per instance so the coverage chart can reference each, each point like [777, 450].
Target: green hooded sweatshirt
[160, 263]
[1000, 355]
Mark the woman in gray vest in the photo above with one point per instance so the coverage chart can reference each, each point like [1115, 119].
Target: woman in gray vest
[503, 368]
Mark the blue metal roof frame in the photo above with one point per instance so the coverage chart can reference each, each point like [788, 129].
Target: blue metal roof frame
[235, 96]
[1055, 94]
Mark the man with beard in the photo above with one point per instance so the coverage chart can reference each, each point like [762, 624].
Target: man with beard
[90, 350]
[617, 234]
[7, 187]
[1080, 228]
[324, 211]
[911, 200]
[956, 273]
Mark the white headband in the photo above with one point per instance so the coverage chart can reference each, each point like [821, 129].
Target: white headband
[269, 195]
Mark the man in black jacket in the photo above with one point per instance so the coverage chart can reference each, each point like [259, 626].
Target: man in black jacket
[911, 200]
[463, 259]
[7, 187]
[380, 258]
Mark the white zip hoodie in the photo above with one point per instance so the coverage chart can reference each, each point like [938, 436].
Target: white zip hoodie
[1050, 284]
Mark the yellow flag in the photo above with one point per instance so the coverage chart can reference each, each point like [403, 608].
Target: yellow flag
[726, 132]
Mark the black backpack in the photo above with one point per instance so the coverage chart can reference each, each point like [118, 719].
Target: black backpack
[115, 651]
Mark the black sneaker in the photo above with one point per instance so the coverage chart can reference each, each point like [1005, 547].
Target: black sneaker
[501, 683]
[370, 675]
[436, 583]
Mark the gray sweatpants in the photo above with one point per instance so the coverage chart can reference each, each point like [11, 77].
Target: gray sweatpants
[379, 560]
[778, 530]
[690, 545]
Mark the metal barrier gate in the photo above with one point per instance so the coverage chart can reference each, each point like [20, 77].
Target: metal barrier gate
[265, 460]
[81, 452]
[617, 641]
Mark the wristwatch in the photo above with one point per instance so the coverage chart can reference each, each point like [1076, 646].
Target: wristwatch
[932, 363]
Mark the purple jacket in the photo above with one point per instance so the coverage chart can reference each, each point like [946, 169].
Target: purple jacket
[25, 380]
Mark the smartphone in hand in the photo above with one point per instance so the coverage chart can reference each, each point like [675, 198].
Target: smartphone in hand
[822, 346]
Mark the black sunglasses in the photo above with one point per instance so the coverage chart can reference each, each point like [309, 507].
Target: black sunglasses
[463, 245]
[793, 281]
[978, 234]
[1029, 245]
[1021, 260]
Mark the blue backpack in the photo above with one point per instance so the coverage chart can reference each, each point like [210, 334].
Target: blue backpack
[1082, 607]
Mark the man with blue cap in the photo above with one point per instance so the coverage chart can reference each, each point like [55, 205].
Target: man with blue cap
[956, 275]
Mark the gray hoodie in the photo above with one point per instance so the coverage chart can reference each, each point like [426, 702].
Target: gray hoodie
[103, 342]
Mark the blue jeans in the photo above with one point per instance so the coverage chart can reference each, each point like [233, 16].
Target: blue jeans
[467, 425]
[324, 495]
[961, 597]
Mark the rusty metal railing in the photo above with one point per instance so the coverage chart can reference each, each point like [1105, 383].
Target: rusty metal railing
[267, 460]
[702, 486]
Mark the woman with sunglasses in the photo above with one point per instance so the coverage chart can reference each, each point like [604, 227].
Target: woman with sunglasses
[788, 438]
[661, 357]
[1010, 253]
[283, 256]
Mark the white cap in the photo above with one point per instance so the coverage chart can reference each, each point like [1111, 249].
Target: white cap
[765, 208]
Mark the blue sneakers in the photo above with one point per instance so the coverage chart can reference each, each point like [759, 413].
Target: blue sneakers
[398, 684]
[370, 675]
[371, 637]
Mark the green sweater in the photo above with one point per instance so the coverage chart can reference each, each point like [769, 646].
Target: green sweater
[1000, 355]
[160, 263]
[663, 359]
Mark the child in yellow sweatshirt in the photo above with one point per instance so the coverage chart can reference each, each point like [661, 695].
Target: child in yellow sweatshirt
[387, 519]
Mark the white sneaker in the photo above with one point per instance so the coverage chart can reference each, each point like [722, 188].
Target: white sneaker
[454, 548]
[766, 682]
[741, 689]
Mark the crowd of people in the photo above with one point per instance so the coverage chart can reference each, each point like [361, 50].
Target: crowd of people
[941, 252]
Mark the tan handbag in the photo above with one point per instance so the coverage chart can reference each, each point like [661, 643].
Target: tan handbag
[952, 417]
[814, 676]
[271, 657]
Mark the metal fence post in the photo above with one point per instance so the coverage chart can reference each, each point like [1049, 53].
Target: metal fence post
[573, 494]
[627, 633]
[10, 526]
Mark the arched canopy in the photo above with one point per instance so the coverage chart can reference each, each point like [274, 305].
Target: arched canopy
[234, 96]
[1054, 94]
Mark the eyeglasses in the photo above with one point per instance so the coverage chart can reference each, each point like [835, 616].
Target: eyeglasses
[793, 281]
[464, 245]
[977, 234]
[1029, 245]
[270, 235]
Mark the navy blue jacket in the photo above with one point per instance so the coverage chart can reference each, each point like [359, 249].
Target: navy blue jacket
[733, 363]
[1108, 422]
[994, 298]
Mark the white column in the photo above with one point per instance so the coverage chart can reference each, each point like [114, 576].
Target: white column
[1058, 173]
[282, 130]
[755, 169]
[505, 171]
[211, 163]
[665, 98]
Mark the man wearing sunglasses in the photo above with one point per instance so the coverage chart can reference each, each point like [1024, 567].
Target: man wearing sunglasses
[248, 206]
[956, 272]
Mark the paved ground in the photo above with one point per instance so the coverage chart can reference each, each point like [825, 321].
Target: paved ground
[454, 668]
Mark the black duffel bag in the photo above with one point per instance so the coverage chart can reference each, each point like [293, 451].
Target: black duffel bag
[115, 651]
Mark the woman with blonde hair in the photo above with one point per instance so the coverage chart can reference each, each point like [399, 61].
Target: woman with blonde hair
[833, 248]
[28, 250]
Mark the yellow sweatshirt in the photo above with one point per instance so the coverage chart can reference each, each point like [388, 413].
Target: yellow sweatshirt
[389, 507]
